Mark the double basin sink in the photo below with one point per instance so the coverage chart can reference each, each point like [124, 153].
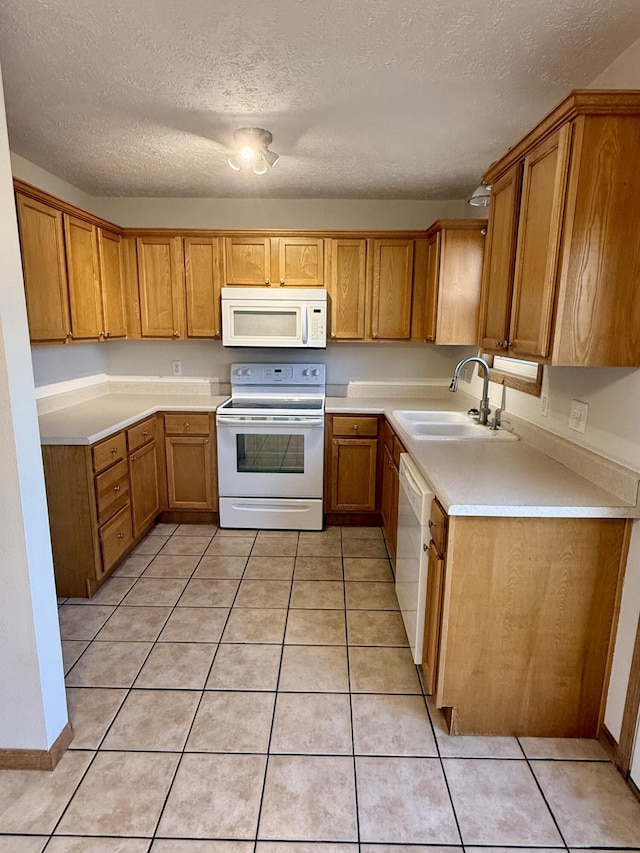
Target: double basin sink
[448, 426]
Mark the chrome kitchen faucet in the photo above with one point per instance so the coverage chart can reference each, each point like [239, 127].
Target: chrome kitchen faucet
[484, 411]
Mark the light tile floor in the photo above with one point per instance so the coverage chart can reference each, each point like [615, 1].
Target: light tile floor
[240, 691]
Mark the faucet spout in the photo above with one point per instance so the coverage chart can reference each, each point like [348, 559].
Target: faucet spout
[484, 411]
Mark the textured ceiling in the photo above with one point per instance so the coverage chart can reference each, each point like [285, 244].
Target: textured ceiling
[407, 99]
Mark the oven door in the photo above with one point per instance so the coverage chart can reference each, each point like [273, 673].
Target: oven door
[269, 457]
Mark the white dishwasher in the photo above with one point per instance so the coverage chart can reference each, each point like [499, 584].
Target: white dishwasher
[412, 551]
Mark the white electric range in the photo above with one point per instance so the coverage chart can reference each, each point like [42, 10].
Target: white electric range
[271, 447]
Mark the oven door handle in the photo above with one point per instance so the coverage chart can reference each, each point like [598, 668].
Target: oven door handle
[305, 325]
[223, 420]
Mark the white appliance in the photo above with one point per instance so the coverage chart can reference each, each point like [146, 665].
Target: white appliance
[412, 551]
[271, 447]
[280, 317]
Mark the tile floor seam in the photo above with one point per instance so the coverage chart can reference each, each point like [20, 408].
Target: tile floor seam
[353, 738]
[544, 797]
[202, 692]
[273, 715]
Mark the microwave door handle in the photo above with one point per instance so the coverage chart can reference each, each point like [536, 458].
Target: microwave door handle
[305, 325]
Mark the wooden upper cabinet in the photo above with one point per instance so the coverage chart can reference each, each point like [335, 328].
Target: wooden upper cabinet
[112, 283]
[499, 260]
[537, 255]
[247, 261]
[575, 253]
[300, 262]
[44, 268]
[392, 288]
[160, 276]
[83, 271]
[202, 267]
[454, 275]
[347, 288]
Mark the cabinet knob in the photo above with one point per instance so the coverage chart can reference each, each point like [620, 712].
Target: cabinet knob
[108, 334]
[483, 231]
[374, 334]
[206, 441]
[101, 334]
[134, 458]
[216, 334]
[120, 535]
[145, 433]
[335, 442]
[281, 281]
[187, 425]
[267, 282]
[431, 524]
[116, 488]
[356, 427]
[333, 334]
[114, 449]
[176, 334]
[430, 338]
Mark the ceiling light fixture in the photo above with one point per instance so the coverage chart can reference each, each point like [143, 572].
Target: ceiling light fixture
[251, 151]
[481, 196]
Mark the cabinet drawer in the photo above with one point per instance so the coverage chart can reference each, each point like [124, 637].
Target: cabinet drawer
[141, 433]
[107, 452]
[115, 538]
[186, 424]
[355, 426]
[438, 527]
[112, 491]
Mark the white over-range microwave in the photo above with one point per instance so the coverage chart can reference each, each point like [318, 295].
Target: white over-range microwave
[281, 317]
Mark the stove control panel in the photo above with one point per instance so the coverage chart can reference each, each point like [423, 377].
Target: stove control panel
[278, 374]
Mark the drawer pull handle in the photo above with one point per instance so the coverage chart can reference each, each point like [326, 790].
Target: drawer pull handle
[116, 488]
[134, 458]
[176, 334]
[120, 535]
[333, 334]
[206, 441]
[281, 281]
[356, 427]
[145, 433]
[187, 425]
[114, 449]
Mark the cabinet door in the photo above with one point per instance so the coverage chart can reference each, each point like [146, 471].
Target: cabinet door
[541, 210]
[161, 288]
[83, 270]
[433, 272]
[247, 261]
[145, 497]
[189, 472]
[111, 279]
[202, 279]
[301, 261]
[45, 271]
[435, 578]
[499, 260]
[347, 289]
[353, 474]
[392, 276]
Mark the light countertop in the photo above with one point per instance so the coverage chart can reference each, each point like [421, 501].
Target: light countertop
[487, 478]
[492, 478]
[88, 422]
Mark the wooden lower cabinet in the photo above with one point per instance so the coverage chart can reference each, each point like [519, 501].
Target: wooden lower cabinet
[521, 640]
[389, 501]
[190, 460]
[145, 495]
[353, 474]
[115, 539]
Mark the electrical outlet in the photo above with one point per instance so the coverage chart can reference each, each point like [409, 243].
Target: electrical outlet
[176, 368]
[578, 415]
[544, 404]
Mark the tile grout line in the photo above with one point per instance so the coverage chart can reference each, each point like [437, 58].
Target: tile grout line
[275, 703]
[202, 692]
[542, 794]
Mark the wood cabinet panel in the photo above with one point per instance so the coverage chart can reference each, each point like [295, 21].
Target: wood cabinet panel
[111, 450]
[355, 426]
[353, 474]
[202, 277]
[112, 284]
[392, 287]
[189, 472]
[189, 423]
[389, 502]
[247, 261]
[141, 433]
[499, 261]
[115, 538]
[112, 491]
[145, 495]
[83, 275]
[300, 262]
[433, 277]
[438, 524]
[44, 268]
[161, 286]
[433, 615]
[541, 209]
[347, 288]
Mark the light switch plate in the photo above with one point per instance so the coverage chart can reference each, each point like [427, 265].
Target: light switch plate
[544, 404]
[578, 415]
